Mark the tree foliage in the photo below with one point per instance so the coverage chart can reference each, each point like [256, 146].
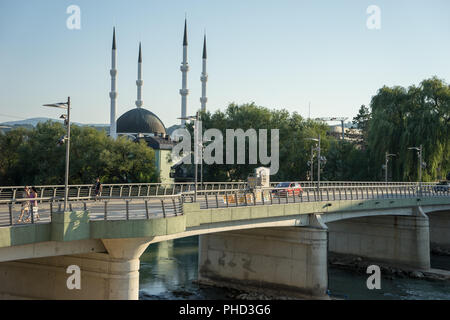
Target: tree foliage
[33, 157]
[410, 117]
[294, 150]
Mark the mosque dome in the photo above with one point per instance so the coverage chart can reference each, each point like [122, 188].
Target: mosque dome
[140, 120]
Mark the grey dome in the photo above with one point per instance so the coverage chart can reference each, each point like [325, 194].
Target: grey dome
[140, 120]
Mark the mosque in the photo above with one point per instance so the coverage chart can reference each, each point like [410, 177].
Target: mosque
[142, 124]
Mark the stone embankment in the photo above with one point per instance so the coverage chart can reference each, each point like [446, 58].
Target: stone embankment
[388, 271]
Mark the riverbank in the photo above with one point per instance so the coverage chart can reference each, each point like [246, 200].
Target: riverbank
[389, 271]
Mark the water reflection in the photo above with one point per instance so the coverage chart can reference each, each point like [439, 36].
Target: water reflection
[168, 269]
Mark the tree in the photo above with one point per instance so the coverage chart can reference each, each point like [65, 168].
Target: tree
[409, 117]
[33, 157]
[293, 148]
[362, 120]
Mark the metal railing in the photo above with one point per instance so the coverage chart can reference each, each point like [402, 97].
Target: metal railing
[160, 189]
[20, 211]
[269, 196]
[129, 207]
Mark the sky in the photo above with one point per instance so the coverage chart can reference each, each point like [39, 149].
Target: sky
[279, 54]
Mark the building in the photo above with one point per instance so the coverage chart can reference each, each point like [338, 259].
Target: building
[141, 124]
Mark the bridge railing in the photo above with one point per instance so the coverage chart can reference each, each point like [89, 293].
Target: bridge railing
[20, 211]
[161, 189]
[269, 196]
[146, 207]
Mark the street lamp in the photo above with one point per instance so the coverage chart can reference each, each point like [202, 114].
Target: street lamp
[311, 164]
[386, 164]
[319, 158]
[201, 163]
[421, 164]
[66, 117]
[196, 146]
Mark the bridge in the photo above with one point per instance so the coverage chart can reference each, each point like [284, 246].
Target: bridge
[268, 238]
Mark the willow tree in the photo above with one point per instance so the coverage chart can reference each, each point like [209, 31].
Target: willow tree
[410, 117]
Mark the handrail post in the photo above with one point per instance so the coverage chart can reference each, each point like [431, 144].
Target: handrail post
[174, 206]
[106, 210]
[10, 205]
[126, 208]
[146, 209]
[163, 208]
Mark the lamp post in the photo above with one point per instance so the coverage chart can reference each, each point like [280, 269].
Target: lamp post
[312, 163]
[66, 117]
[196, 146]
[318, 161]
[419, 153]
[201, 163]
[386, 164]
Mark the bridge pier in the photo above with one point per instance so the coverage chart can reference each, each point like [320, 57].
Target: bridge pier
[440, 230]
[113, 275]
[280, 261]
[400, 240]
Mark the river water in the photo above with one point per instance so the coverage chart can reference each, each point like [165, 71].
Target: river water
[169, 268]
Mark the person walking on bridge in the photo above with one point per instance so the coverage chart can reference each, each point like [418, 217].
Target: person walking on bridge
[25, 204]
[34, 206]
[97, 188]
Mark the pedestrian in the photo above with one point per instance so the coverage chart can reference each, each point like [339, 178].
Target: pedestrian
[25, 204]
[34, 206]
[97, 188]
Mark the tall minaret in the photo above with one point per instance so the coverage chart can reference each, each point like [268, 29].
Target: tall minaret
[139, 81]
[204, 77]
[184, 70]
[113, 93]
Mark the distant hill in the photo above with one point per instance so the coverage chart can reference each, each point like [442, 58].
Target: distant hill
[34, 121]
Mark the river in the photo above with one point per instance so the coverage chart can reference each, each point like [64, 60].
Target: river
[169, 268]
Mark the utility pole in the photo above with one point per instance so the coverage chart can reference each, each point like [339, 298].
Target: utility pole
[66, 195]
[318, 168]
[312, 164]
[196, 154]
[386, 164]
[419, 149]
[66, 139]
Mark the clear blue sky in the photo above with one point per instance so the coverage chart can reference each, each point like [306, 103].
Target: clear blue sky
[279, 54]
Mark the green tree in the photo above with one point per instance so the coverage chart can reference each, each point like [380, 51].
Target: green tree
[362, 121]
[411, 117]
[33, 157]
[293, 148]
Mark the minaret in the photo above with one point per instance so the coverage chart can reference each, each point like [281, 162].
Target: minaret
[184, 70]
[204, 77]
[139, 81]
[113, 93]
